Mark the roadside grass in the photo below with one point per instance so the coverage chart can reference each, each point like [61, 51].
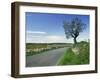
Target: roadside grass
[37, 48]
[34, 53]
[37, 52]
[40, 51]
[71, 58]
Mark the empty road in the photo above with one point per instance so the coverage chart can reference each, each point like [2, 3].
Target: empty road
[48, 58]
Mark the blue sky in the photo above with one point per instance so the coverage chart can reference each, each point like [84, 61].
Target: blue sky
[48, 28]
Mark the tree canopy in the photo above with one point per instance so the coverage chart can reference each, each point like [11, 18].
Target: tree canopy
[73, 28]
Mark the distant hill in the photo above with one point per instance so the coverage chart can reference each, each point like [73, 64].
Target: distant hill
[50, 43]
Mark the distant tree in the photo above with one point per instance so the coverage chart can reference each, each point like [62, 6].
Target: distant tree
[73, 28]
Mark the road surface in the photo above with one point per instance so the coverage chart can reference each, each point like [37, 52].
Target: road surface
[48, 58]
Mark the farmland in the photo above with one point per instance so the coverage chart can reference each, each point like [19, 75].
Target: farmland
[48, 54]
[37, 48]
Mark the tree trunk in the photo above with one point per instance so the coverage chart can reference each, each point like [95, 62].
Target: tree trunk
[75, 41]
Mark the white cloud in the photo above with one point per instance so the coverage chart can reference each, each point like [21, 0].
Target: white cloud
[36, 32]
[43, 37]
[56, 38]
[46, 39]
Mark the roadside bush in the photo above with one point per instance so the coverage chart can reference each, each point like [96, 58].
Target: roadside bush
[72, 58]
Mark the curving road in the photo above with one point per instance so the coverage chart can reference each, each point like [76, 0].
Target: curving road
[48, 58]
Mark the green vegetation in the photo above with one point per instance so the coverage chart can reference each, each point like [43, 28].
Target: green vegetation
[78, 54]
[37, 48]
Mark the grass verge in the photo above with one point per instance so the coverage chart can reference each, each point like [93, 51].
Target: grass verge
[70, 58]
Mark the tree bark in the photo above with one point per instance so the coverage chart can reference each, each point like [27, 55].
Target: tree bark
[75, 41]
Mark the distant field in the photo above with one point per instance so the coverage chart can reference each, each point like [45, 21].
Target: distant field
[36, 48]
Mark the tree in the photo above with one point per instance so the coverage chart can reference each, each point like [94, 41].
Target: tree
[73, 28]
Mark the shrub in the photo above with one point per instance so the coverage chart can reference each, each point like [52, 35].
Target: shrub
[71, 58]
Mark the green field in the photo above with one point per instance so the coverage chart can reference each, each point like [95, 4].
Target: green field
[37, 48]
[72, 57]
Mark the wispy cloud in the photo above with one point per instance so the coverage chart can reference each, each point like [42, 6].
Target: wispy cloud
[46, 39]
[40, 37]
[36, 32]
[55, 38]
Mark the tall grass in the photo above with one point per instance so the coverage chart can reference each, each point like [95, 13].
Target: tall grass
[71, 58]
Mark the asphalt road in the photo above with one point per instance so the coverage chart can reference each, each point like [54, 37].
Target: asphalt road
[48, 58]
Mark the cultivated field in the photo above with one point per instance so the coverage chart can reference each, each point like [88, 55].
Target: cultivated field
[36, 48]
